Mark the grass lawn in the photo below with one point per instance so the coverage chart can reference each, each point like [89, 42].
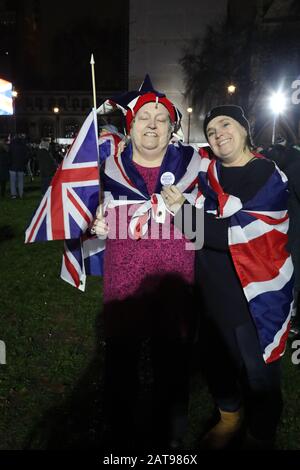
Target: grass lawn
[51, 386]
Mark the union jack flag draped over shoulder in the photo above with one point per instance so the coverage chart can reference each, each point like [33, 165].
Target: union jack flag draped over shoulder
[123, 185]
[257, 237]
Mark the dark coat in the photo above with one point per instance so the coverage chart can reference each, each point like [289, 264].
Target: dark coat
[288, 160]
[18, 155]
[4, 163]
[46, 162]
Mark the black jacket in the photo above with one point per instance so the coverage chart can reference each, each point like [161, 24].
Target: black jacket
[19, 154]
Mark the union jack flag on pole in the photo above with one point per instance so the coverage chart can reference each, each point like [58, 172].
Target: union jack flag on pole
[69, 205]
[84, 256]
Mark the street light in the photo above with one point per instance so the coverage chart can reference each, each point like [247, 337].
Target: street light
[14, 95]
[189, 110]
[56, 112]
[231, 89]
[278, 105]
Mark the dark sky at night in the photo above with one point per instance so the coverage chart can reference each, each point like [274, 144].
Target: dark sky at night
[53, 41]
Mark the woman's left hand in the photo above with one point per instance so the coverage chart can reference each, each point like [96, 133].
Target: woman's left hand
[173, 198]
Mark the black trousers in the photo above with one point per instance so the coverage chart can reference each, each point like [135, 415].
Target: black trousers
[163, 317]
[169, 363]
[236, 373]
[3, 187]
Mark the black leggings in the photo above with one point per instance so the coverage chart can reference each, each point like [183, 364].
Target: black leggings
[236, 372]
[170, 386]
[3, 188]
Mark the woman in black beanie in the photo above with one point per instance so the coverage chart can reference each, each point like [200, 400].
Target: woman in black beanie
[245, 279]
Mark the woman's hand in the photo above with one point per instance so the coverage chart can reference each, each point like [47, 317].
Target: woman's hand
[99, 227]
[173, 198]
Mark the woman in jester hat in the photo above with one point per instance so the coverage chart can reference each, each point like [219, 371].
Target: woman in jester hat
[148, 269]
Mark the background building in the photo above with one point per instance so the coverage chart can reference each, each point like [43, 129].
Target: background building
[278, 22]
[45, 52]
[251, 58]
[159, 31]
[46, 47]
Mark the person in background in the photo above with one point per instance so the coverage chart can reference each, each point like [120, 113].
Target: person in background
[18, 153]
[148, 273]
[287, 158]
[4, 167]
[245, 279]
[47, 165]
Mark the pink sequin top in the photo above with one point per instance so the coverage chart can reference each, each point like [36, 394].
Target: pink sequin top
[130, 266]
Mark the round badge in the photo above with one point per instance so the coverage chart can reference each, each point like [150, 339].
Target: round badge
[167, 178]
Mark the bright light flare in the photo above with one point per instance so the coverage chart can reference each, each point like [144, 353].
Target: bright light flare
[278, 102]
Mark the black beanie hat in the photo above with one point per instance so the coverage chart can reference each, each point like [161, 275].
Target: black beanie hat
[231, 110]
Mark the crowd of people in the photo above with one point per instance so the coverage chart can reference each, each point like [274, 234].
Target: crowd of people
[19, 158]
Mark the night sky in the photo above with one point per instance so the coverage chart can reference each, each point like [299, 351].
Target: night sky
[51, 43]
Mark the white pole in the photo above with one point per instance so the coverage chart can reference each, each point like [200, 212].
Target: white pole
[274, 129]
[92, 62]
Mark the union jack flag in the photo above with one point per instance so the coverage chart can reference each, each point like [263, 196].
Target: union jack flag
[82, 257]
[69, 205]
[6, 100]
[257, 237]
[124, 186]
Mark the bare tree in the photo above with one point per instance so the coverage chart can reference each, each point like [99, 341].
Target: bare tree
[212, 64]
[253, 52]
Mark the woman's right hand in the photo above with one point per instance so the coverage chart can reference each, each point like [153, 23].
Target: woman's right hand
[99, 227]
[173, 198]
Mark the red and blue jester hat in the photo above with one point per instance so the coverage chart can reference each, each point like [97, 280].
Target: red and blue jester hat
[130, 102]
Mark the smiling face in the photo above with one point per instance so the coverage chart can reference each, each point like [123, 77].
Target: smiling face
[227, 139]
[151, 130]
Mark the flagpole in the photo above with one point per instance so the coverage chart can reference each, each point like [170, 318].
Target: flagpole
[92, 62]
